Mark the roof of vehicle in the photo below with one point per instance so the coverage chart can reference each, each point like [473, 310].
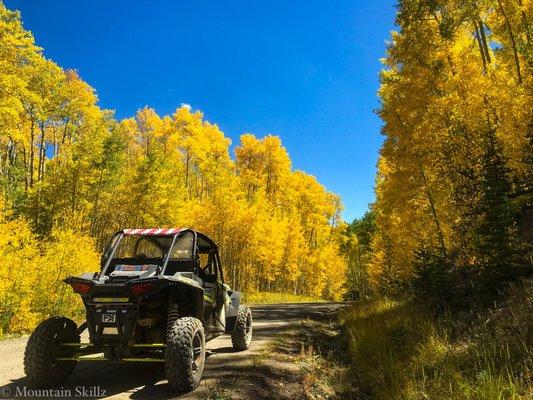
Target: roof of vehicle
[204, 241]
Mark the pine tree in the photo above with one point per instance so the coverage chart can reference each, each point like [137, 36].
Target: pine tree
[496, 229]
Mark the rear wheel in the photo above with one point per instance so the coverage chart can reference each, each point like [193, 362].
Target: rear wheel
[185, 354]
[242, 335]
[43, 348]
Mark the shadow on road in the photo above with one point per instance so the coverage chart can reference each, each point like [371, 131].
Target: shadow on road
[224, 364]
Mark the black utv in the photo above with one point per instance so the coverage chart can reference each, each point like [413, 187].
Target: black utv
[160, 295]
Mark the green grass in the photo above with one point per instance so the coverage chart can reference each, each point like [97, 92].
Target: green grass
[398, 350]
[7, 336]
[271, 297]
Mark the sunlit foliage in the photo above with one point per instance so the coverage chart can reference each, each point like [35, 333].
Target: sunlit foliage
[71, 175]
[455, 170]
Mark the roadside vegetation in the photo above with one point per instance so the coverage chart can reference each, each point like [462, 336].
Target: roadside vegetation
[400, 350]
[276, 298]
[440, 266]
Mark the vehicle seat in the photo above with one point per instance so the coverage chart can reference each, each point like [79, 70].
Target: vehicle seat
[178, 265]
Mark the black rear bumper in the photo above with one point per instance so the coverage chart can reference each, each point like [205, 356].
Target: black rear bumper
[111, 323]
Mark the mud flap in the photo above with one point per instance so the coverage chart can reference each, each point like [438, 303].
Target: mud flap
[232, 310]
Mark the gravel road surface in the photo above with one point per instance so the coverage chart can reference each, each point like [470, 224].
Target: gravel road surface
[147, 380]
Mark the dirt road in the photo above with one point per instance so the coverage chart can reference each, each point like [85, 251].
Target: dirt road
[239, 373]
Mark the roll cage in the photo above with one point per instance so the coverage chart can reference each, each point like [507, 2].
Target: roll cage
[201, 244]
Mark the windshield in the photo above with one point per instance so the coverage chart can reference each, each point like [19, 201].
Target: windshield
[151, 249]
[138, 246]
[151, 246]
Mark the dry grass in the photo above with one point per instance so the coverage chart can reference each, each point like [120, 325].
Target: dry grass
[400, 351]
[276, 298]
[317, 351]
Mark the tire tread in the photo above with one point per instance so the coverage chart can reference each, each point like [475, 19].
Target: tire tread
[178, 353]
[238, 337]
[39, 354]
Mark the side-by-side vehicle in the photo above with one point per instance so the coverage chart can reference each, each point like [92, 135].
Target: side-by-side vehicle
[159, 296]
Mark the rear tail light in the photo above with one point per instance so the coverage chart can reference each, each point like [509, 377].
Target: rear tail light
[80, 287]
[140, 289]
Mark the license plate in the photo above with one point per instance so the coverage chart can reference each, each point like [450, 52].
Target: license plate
[109, 318]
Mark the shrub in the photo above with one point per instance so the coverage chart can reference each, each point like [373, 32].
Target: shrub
[31, 274]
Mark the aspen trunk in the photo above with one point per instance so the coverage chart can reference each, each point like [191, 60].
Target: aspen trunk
[32, 156]
[40, 166]
[524, 21]
[481, 50]
[433, 208]
[513, 42]
[484, 41]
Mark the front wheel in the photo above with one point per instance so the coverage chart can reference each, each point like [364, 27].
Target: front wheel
[185, 354]
[242, 335]
[44, 347]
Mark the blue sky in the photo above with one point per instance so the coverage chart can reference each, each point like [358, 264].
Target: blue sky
[306, 71]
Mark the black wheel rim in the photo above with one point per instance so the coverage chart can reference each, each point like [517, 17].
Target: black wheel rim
[198, 353]
[57, 350]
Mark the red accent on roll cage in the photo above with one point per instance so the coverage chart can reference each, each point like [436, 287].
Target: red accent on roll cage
[152, 231]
